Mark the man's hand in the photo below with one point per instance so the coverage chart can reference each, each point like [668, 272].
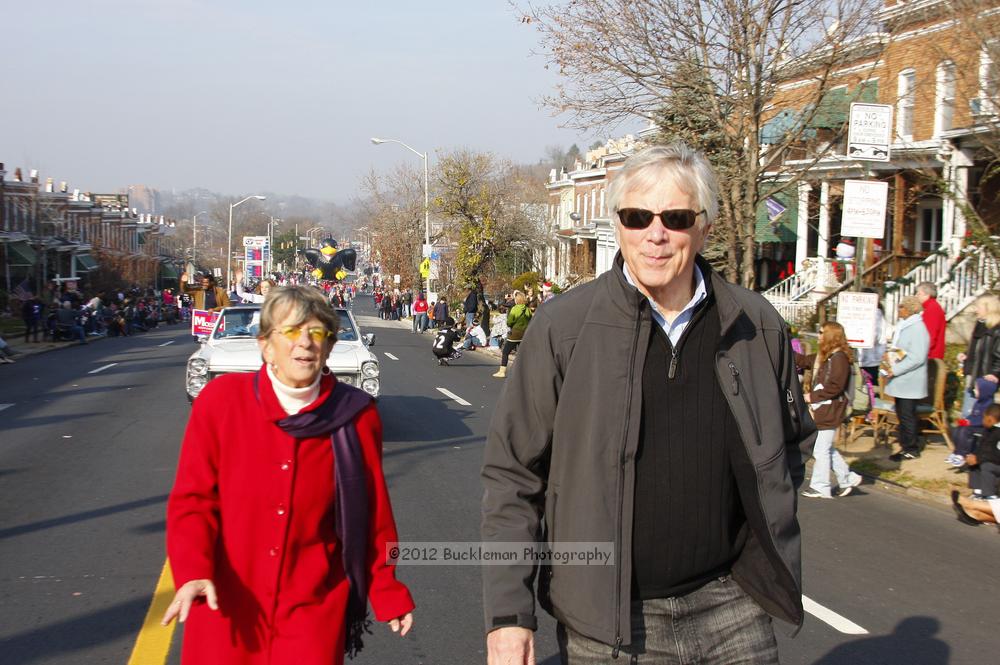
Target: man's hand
[971, 460]
[186, 596]
[512, 645]
[184, 277]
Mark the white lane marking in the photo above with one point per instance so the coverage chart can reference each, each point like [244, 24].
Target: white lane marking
[101, 369]
[5, 406]
[830, 617]
[448, 393]
[390, 355]
[166, 343]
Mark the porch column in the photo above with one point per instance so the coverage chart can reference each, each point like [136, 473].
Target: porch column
[802, 225]
[823, 243]
[955, 223]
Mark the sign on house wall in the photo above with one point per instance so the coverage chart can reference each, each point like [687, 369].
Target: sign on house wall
[864, 208]
[869, 134]
[857, 312]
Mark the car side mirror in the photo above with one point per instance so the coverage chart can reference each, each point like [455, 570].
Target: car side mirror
[368, 339]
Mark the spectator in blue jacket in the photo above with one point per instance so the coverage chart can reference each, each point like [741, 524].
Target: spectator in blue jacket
[907, 374]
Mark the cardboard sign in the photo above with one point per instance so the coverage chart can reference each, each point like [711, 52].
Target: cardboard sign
[202, 322]
[857, 312]
[864, 209]
[869, 135]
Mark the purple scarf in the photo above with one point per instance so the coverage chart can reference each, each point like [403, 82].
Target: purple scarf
[335, 418]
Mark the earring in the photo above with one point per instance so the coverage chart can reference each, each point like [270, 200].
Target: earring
[326, 371]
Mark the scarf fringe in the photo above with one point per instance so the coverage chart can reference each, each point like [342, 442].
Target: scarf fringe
[357, 628]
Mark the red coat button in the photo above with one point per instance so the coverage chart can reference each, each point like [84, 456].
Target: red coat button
[273, 551]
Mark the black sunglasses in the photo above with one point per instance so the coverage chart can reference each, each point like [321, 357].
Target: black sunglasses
[675, 220]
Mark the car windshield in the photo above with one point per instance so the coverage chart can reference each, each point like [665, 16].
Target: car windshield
[347, 332]
[235, 323]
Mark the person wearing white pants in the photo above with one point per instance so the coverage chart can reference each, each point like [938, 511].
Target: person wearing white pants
[828, 404]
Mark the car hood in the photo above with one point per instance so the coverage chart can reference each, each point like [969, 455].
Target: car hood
[244, 356]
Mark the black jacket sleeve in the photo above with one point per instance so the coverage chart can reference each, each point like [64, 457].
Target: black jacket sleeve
[988, 450]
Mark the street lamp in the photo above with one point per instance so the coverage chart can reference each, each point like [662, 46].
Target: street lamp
[229, 255]
[194, 236]
[427, 208]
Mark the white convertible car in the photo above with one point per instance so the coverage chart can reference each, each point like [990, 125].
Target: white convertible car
[232, 347]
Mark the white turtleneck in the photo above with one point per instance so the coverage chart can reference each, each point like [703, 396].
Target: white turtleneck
[293, 400]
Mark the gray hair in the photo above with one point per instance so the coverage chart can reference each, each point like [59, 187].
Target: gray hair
[687, 168]
[912, 304]
[929, 289]
[304, 301]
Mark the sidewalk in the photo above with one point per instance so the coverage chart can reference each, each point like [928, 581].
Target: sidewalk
[24, 349]
[928, 478]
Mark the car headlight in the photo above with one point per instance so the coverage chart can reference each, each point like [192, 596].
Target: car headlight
[198, 366]
[195, 384]
[370, 386]
[369, 369]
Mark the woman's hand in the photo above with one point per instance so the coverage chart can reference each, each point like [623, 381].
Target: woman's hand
[961, 357]
[186, 596]
[402, 624]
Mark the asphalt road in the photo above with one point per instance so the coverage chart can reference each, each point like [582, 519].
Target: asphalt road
[86, 461]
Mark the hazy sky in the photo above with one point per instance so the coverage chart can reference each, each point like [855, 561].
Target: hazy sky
[245, 96]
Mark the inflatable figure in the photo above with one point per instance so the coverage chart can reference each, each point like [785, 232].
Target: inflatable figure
[328, 262]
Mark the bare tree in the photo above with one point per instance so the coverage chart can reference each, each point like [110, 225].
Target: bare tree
[650, 58]
[394, 210]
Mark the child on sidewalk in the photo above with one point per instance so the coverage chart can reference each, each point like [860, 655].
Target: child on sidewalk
[968, 430]
[984, 463]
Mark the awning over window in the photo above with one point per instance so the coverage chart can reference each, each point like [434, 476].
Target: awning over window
[168, 271]
[20, 254]
[85, 263]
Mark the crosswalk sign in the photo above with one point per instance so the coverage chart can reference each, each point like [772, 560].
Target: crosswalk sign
[425, 268]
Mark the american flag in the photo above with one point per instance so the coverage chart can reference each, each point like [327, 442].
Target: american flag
[22, 291]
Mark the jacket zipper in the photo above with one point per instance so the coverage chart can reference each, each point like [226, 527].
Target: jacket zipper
[621, 489]
[672, 371]
[753, 421]
[746, 401]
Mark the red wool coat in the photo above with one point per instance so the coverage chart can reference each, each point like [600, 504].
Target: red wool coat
[252, 509]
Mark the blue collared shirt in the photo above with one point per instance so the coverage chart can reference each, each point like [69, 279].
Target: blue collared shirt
[674, 329]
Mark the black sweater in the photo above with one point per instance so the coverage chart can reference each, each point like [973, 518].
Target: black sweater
[689, 521]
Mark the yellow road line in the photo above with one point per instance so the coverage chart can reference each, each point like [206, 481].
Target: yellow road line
[152, 646]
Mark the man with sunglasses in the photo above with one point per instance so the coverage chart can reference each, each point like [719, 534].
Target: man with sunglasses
[655, 410]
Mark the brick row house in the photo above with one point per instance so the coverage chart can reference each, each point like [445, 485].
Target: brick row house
[942, 83]
[934, 66]
[51, 235]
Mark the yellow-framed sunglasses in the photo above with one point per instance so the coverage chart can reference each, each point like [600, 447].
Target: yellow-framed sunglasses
[317, 334]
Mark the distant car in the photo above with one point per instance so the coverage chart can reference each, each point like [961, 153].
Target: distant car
[232, 347]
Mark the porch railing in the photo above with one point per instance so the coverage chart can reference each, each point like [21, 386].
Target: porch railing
[959, 281]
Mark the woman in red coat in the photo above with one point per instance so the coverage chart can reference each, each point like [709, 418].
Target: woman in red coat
[279, 517]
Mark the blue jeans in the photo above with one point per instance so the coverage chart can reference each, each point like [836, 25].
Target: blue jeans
[716, 624]
[825, 456]
[469, 317]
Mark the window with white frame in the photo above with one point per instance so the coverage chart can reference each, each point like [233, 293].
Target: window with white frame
[906, 92]
[944, 97]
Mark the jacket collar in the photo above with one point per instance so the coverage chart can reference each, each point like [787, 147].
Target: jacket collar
[728, 307]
